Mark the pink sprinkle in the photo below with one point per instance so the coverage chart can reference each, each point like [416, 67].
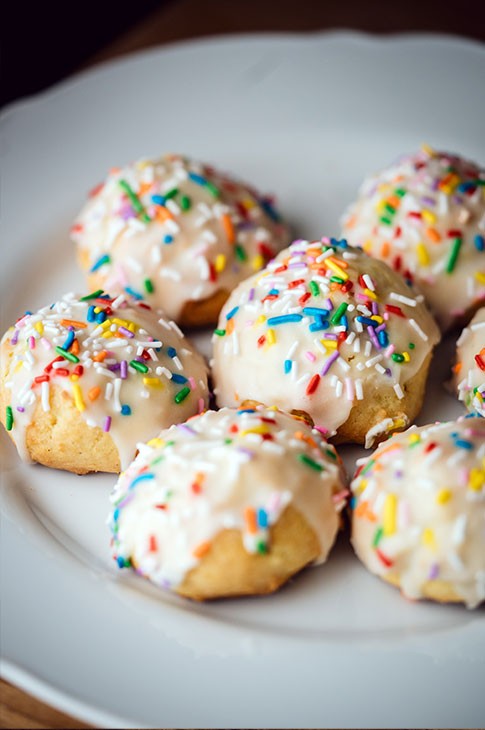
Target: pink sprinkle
[310, 356]
[322, 430]
[192, 383]
[349, 389]
[107, 424]
[15, 337]
[389, 351]
[201, 405]
[45, 342]
[32, 342]
[340, 496]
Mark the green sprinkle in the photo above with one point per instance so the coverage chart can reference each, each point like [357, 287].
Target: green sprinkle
[390, 208]
[400, 192]
[171, 193]
[140, 366]
[182, 394]
[220, 333]
[309, 462]
[185, 202]
[67, 355]
[213, 189]
[240, 252]
[384, 219]
[314, 288]
[9, 418]
[331, 454]
[336, 279]
[148, 286]
[368, 466]
[411, 345]
[397, 357]
[94, 295]
[135, 201]
[339, 313]
[377, 536]
[228, 441]
[262, 547]
[455, 250]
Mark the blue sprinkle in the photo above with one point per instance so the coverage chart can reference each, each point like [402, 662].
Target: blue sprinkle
[284, 318]
[342, 243]
[133, 293]
[353, 501]
[273, 292]
[141, 478]
[367, 321]
[318, 325]
[91, 315]
[197, 178]
[462, 444]
[100, 317]
[100, 262]
[231, 314]
[168, 238]
[246, 410]
[269, 210]
[479, 242]
[158, 199]
[316, 311]
[69, 340]
[121, 562]
[344, 322]
[382, 338]
[262, 518]
[171, 352]
[116, 514]
[288, 364]
[125, 410]
[178, 378]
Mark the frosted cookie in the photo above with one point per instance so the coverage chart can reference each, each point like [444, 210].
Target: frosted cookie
[230, 503]
[331, 331]
[418, 516]
[177, 234]
[425, 216]
[469, 371]
[84, 380]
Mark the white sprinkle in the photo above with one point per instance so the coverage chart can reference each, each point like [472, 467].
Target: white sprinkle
[398, 391]
[400, 298]
[116, 394]
[459, 530]
[418, 329]
[358, 389]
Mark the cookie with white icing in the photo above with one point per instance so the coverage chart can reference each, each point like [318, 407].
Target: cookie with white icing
[177, 234]
[418, 518]
[424, 215]
[331, 331]
[230, 503]
[469, 371]
[83, 380]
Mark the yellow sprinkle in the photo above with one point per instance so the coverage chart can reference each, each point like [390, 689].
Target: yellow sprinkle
[248, 203]
[406, 356]
[74, 377]
[220, 263]
[20, 365]
[39, 327]
[361, 486]
[414, 438]
[428, 216]
[155, 443]
[257, 262]
[443, 496]
[97, 310]
[121, 322]
[261, 319]
[423, 255]
[428, 150]
[367, 246]
[428, 538]
[371, 294]
[477, 479]
[106, 324]
[153, 382]
[377, 318]
[78, 397]
[340, 272]
[257, 429]
[329, 344]
[389, 515]
[480, 277]
[270, 337]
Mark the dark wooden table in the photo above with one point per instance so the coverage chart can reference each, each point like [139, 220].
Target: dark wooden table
[184, 19]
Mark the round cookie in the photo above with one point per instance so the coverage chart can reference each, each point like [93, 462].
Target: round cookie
[418, 517]
[331, 331]
[230, 503]
[469, 371]
[177, 234]
[84, 380]
[424, 215]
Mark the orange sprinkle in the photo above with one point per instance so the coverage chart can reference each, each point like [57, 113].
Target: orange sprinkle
[99, 357]
[363, 510]
[144, 188]
[230, 327]
[394, 200]
[153, 546]
[350, 223]
[385, 249]
[307, 439]
[162, 214]
[73, 323]
[338, 262]
[250, 518]
[228, 227]
[93, 393]
[201, 549]
[74, 347]
[433, 235]
[456, 368]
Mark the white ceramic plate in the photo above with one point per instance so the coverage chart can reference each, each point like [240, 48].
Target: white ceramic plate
[305, 117]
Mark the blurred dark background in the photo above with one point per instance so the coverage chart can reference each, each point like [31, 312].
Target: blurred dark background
[43, 42]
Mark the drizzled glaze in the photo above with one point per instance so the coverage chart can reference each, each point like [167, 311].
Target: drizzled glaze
[469, 371]
[128, 370]
[425, 216]
[419, 509]
[317, 326]
[222, 470]
[171, 230]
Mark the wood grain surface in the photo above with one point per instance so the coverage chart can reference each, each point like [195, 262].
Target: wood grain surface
[185, 19]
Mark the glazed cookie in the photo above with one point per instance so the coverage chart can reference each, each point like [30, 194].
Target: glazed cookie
[177, 234]
[230, 503]
[469, 371]
[331, 331]
[418, 517]
[425, 216]
[84, 380]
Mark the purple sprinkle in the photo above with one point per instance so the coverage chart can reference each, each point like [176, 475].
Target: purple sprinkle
[125, 332]
[328, 304]
[187, 429]
[251, 295]
[247, 452]
[107, 424]
[380, 328]
[428, 201]
[328, 363]
[434, 571]
[297, 265]
[123, 369]
[114, 367]
[20, 409]
[374, 340]
[15, 337]
[331, 336]
[375, 308]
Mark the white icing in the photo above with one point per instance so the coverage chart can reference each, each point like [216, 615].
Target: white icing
[469, 380]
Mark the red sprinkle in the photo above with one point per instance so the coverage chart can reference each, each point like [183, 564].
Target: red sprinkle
[41, 379]
[153, 544]
[212, 272]
[430, 447]
[64, 372]
[384, 559]
[78, 370]
[295, 283]
[480, 362]
[304, 298]
[395, 310]
[48, 367]
[261, 340]
[313, 384]
[454, 233]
